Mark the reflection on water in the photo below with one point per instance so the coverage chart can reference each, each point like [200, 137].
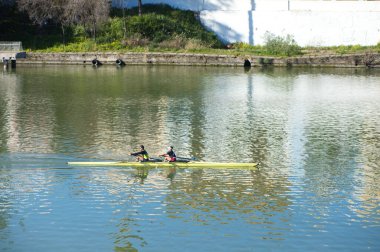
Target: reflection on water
[316, 133]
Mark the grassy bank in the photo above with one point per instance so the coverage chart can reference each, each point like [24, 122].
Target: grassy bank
[160, 29]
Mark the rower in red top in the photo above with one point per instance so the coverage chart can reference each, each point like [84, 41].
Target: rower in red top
[169, 155]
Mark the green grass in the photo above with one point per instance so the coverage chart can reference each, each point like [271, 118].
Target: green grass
[237, 49]
[350, 49]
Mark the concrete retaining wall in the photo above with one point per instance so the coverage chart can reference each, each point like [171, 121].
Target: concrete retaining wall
[132, 58]
[14, 55]
[309, 28]
[357, 60]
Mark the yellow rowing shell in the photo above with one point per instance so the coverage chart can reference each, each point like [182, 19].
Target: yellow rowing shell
[167, 164]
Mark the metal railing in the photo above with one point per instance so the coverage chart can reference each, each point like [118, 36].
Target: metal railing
[8, 46]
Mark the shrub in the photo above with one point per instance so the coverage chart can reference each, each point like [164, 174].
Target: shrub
[162, 23]
[135, 40]
[175, 42]
[79, 32]
[154, 27]
[112, 30]
[344, 49]
[277, 45]
[196, 44]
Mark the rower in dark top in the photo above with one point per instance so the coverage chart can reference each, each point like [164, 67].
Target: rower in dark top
[170, 155]
[142, 155]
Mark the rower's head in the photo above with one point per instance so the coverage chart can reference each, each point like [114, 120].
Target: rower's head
[142, 147]
[171, 147]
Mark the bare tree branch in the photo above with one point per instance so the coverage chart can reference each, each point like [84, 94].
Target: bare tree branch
[40, 11]
[89, 13]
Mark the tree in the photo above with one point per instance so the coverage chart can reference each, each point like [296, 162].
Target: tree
[42, 11]
[89, 13]
[139, 3]
[121, 5]
[7, 2]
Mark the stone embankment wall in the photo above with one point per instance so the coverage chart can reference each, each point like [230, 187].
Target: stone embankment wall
[352, 60]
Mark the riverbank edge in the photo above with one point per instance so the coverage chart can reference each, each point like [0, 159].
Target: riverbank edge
[364, 60]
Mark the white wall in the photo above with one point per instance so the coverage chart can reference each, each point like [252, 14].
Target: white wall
[320, 28]
[259, 5]
[333, 5]
[311, 22]
[316, 5]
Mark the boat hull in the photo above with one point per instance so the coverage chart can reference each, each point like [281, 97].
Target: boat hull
[167, 164]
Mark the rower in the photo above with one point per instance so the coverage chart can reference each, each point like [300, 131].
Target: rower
[169, 155]
[142, 155]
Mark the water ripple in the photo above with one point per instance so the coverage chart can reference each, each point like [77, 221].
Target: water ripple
[315, 132]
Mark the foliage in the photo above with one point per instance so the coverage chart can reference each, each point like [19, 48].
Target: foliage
[345, 49]
[40, 11]
[90, 14]
[283, 46]
[14, 24]
[159, 27]
[161, 22]
[247, 48]
[66, 13]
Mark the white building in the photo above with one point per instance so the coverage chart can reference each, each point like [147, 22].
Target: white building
[311, 22]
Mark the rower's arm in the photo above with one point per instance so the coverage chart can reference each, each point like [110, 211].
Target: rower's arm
[136, 153]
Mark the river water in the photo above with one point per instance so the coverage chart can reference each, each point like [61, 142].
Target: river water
[316, 133]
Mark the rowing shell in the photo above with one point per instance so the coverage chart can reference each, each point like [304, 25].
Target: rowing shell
[167, 164]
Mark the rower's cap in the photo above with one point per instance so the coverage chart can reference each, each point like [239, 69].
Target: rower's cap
[142, 146]
[171, 147]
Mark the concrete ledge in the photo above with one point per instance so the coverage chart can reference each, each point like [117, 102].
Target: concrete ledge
[14, 55]
[352, 60]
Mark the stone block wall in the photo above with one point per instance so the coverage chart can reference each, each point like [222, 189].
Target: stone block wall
[355, 60]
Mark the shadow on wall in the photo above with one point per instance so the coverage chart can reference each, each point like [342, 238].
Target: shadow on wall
[253, 5]
[224, 32]
[227, 4]
[218, 5]
[195, 5]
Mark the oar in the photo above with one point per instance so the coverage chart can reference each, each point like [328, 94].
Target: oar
[189, 159]
[155, 159]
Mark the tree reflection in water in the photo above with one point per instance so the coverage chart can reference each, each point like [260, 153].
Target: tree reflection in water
[206, 196]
